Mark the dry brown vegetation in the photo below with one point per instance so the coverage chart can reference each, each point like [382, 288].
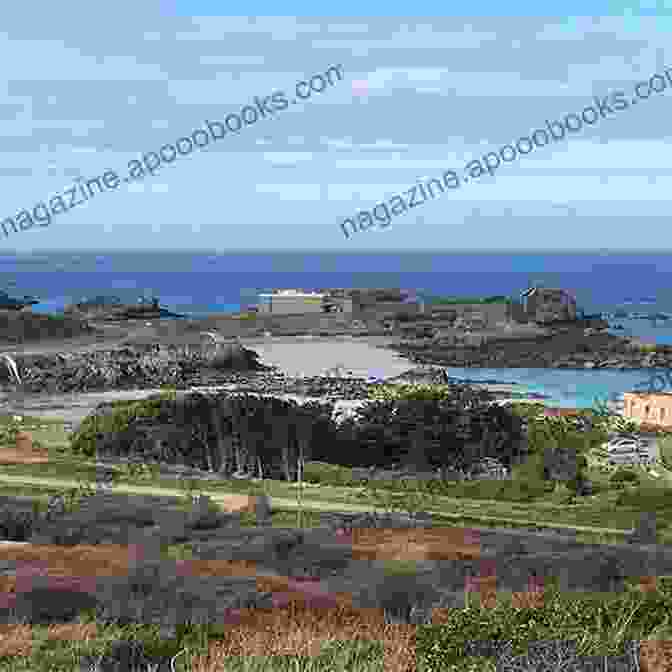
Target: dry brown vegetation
[296, 626]
[24, 452]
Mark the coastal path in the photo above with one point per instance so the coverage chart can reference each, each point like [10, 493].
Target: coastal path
[291, 504]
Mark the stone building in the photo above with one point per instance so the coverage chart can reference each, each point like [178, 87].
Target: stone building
[290, 302]
[653, 408]
[541, 304]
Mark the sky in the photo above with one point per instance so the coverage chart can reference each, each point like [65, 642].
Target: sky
[87, 92]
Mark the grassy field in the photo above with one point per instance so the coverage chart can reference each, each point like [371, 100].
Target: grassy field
[300, 638]
[597, 515]
[596, 512]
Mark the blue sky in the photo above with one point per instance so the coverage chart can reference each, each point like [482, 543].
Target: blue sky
[85, 92]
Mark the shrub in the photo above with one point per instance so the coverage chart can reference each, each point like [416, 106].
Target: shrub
[622, 477]
[112, 418]
[16, 525]
[9, 432]
[645, 499]
[404, 597]
[531, 470]
[432, 427]
[506, 490]
[213, 432]
[132, 655]
[327, 474]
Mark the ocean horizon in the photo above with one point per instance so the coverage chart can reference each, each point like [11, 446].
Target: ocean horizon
[200, 283]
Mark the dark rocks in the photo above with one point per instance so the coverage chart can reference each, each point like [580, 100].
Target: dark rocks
[567, 348]
[25, 327]
[149, 366]
[129, 368]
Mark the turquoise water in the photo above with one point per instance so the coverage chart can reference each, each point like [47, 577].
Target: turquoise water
[566, 388]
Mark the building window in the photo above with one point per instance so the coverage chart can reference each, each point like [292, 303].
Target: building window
[662, 414]
[646, 411]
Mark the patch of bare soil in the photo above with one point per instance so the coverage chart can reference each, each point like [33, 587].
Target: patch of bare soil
[411, 544]
[14, 455]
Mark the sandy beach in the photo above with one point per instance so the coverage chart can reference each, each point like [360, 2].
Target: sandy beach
[305, 356]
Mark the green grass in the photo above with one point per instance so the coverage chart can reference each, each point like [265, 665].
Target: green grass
[598, 511]
[48, 432]
[665, 446]
[473, 502]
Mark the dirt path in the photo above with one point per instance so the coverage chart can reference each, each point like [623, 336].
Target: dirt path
[307, 504]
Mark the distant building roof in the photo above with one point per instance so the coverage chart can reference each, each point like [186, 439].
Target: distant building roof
[292, 293]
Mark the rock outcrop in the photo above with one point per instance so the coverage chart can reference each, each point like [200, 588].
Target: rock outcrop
[27, 327]
[567, 348]
[128, 368]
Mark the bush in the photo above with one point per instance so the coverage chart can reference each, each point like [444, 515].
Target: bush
[531, 470]
[113, 418]
[214, 432]
[506, 490]
[645, 499]
[433, 427]
[404, 598]
[132, 655]
[16, 525]
[622, 477]
[327, 474]
[582, 486]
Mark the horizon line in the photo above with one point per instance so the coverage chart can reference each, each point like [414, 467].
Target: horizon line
[204, 250]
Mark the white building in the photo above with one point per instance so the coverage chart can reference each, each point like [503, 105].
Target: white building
[291, 302]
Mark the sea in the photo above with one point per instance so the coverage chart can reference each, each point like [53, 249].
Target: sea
[635, 286]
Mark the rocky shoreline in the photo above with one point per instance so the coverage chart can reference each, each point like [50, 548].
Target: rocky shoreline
[566, 348]
[135, 369]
